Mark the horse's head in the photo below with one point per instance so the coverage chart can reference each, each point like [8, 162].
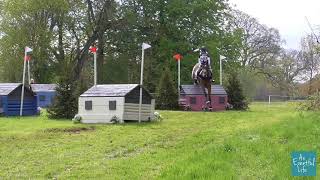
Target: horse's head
[205, 72]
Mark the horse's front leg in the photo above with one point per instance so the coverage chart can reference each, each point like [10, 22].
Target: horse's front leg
[206, 98]
[209, 105]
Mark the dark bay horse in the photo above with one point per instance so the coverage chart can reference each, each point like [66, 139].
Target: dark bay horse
[204, 80]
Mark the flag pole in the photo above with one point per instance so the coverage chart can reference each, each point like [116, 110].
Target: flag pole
[141, 84]
[29, 80]
[221, 58]
[178, 58]
[179, 75]
[220, 70]
[23, 80]
[95, 68]
[144, 47]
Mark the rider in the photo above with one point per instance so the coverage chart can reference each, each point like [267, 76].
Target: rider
[204, 59]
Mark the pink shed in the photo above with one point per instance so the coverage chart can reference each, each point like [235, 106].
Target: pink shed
[193, 96]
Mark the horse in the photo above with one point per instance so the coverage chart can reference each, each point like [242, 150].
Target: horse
[204, 80]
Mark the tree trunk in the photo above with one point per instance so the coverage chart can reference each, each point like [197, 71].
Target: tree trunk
[100, 57]
[102, 23]
[310, 83]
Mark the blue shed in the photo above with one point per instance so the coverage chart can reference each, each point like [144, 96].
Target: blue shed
[46, 93]
[10, 96]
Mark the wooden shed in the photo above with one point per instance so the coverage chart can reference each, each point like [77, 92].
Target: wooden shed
[10, 96]
[192, 96]
[102, 103]
[45, 93]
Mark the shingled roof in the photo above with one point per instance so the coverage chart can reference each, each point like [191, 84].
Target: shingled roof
[110, 90]
[196, 90]
[43, 87]
[7, 88]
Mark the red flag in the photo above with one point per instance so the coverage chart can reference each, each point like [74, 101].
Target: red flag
[27, 58]
[177, 57]
[27, 51]
[93, 49]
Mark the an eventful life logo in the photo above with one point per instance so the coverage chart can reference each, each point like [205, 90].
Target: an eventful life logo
[303, 163]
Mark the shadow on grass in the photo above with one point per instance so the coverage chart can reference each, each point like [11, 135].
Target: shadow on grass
[71, 130]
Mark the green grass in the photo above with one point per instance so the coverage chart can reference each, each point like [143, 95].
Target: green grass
[185, 145]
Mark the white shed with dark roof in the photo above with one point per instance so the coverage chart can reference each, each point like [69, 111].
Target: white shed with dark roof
[103, 103]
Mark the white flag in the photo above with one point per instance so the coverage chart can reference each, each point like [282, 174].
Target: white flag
[27, 49]
[145, 46]
[222, 57]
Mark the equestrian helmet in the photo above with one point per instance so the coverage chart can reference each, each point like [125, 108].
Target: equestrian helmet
[203, 50]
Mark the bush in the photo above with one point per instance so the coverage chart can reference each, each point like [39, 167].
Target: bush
[65, 103]
[167, 95]
[236, 96]
[311, 104]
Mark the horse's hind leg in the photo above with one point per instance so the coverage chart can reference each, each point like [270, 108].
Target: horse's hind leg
[209, 97]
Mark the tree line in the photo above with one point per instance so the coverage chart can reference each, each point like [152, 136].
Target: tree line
[61, 32]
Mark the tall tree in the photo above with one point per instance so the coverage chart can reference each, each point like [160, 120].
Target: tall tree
[82, 32]
[28, 23]
[311, 58]
[259, 43]
[285, 70]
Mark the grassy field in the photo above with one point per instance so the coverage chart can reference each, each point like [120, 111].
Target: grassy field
[185, 145]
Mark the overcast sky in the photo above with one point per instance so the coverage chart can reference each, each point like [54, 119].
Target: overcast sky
[288, 16]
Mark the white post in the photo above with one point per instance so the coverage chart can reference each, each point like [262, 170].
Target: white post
[23, 80]
[141, 83]
[269, 99]
[29, 79]
[220, 70]
[179, 76]
[95, 68]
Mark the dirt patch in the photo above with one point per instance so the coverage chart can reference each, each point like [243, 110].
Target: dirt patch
[73, 130]
[124, 153]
